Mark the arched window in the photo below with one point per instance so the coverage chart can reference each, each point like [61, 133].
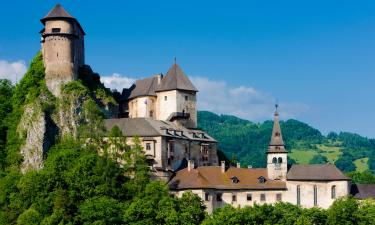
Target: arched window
[315, 195]
[279, 160]
[298, 195]
[333, 192]
[274, 160]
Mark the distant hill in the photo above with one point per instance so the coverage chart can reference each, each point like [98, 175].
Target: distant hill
[244, 141]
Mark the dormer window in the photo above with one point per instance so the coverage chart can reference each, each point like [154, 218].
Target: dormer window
[235, 180]
[261, 180]
[56, 30]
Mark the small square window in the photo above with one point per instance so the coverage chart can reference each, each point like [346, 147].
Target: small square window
[262, 197]
[278, 197]
[234, 198]
[219, 197]
[186, 98]
[207, 197]
[249, 197]
[165, 98]
[56, 30]
[148, 146]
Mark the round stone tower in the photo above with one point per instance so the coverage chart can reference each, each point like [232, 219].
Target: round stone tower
[62, 47]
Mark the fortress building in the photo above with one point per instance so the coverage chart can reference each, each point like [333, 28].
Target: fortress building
[62, 47]
[161, 110]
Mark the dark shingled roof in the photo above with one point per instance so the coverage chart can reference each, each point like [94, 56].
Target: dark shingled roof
[277, 143]
[145, 87]
[213, 178]
[146, 127]
[363, 191]
[176, 80]
[58, 12]
[318, 172]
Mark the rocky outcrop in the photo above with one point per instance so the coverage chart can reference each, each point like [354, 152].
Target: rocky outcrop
[32, 128]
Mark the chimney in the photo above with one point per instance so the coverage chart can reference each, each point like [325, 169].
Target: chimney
[223, 166]
[190, 165]
[238, 165]
[159, 77]
[249, 166]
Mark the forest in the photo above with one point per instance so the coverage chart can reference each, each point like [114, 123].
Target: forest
[81, 182]
[246, 142]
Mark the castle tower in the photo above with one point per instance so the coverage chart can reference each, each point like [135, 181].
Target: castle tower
[276, 154]
[62, 47]
[176, 98]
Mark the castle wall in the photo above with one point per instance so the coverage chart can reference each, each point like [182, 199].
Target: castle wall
[63, 53]
[139, 109]
[166, 104]
[186, 102]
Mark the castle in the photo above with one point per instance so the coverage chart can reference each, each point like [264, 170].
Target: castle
[161, 111]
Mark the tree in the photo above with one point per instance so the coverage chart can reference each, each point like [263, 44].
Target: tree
[6, 92]
[191, 208]
[100, 210]
[365, 177]
[29, 217]
[343, 211]
[318, 159]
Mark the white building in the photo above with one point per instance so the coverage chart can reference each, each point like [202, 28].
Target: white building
[161, 111]
[304, 185]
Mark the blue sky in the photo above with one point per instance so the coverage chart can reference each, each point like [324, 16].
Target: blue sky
[316, 57]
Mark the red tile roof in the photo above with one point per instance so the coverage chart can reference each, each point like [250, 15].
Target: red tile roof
[211, 177]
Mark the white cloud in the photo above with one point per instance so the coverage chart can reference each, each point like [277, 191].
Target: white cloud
[12, 71]
[242, 101]
[117, 81]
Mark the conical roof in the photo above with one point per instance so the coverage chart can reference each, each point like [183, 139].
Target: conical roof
[277, 143]
[58, 12]
[176, 80]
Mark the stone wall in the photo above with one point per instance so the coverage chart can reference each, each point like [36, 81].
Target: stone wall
[63, 53]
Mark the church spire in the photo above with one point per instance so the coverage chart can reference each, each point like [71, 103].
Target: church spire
[277, 144]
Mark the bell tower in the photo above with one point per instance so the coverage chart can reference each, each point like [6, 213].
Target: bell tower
[276, 154]
[62, 47]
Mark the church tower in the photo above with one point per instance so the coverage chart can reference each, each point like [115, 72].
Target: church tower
[62, 47]
[276, 154]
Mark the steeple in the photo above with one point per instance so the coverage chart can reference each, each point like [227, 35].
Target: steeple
[277, 144]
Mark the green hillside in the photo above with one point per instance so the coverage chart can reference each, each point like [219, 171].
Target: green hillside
[244, 141]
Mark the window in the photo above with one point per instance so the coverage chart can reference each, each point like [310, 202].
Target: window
[333, 192]
[261, 180]
[186, 98]
[234, 198]
[206, 197]
[219, 197]
[279, 160]
[148, 146]
[315, 195]
[274, 160]
[56, 30]
[262, 197]
[249, 197]
[278, 197]
[298, 195]
[235, 180]
[151, 113]
[165, 98]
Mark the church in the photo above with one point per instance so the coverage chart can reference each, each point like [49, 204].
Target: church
[305, 185]
[161, 110]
